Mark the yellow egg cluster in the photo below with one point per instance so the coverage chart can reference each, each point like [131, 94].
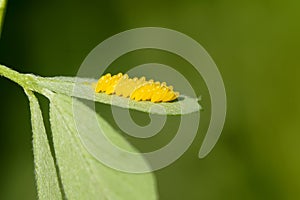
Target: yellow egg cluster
[138, 89]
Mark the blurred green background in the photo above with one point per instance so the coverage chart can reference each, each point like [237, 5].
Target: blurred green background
[255, 45]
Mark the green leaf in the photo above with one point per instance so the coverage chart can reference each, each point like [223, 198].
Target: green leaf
[84, 177]
[44, 167]
[81, 175]
[83, 88]
[2, 10]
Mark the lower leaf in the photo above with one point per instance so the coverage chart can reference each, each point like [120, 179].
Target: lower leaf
[44, 167]
[84, 177]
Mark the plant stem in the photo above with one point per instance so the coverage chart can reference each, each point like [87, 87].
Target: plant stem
[2, 10]
[27, 81]
[11, 74]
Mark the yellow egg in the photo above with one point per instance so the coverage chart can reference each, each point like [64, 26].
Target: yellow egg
[138, 89]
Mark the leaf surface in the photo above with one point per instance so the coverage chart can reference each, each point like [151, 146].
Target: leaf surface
[83, 88]
[84, 177]
[44, 167]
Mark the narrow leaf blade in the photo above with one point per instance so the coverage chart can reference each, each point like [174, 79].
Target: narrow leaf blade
[45, 171]
[83, 88]
[83, 176]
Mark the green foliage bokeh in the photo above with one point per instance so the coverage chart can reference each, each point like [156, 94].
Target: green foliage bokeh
[255, 45]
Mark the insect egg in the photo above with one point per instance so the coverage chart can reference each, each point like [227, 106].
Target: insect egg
[138, 89]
